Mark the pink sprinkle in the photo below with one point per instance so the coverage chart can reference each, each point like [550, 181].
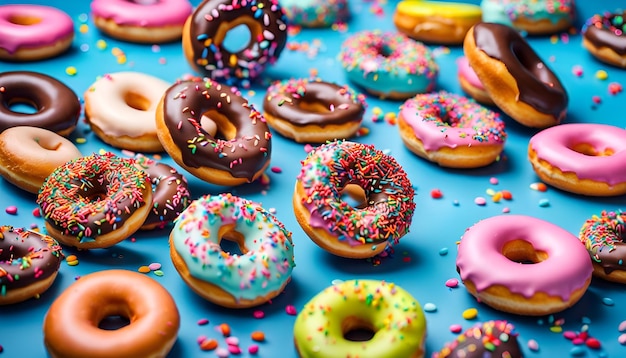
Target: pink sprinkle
[258, 314]
[480, 201]
[569, 335]
[615, 88]
[291, 310]
[577, 70]
[622, 326]
[155, 266]
[308, 148]
[452, 283]
[202, 322]
[596, 99]
[232, 341]
[201, 339]
[493, 180]
[533, 345]
[11, 210]
[36, 213]
[276, 170]
[506, 210]
[222, 353]
[253, 349]
[622, 339]
[456, 328]
[234, 349]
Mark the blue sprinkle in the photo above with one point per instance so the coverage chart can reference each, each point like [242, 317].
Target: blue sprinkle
[608, 301]
[586, 320]
[544, 203]
[430, 307]
[443, 252]
[577, 351]
[202, 37]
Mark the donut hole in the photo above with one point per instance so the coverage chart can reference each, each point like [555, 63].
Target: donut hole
[113, 322]
[22, 106]
[356, 329]
[218, 126]
[237, 38]
[137, 101]
[523, 252]
[232, 241]
[589, 150]
[314, 107]
[354, 195]
[95, 193]
[48, 143]
[384, 50]
[23, 20]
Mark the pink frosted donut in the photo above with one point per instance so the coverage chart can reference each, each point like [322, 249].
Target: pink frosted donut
[33, 32]
[588, 159]
[523, 265]
[144, 21]
[451, 130]
[470, 83]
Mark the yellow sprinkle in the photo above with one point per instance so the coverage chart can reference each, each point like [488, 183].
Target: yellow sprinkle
[72, 263]
[470, 313]
[101, 44]
[121, 59]
[71, 70]
[602, 75]
[144, 269]
[83, 28]
[490, 192]
[233, 60]
[101, 151]
[556, 329]
[554, 39]
[496, 197]
[80, 140]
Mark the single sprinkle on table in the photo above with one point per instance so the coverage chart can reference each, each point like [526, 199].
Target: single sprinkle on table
[208, 344]
[202, 322]
[258, 314]
[291, 310]
[71, 260]
[480, 201]
[456, 328]
[608, 301]
[430, 307]
[452, 283]
[11, 210]
[257, 336]
[470, 313]
[533, 345]
[443, 251]
[544, 203]
[539, 187]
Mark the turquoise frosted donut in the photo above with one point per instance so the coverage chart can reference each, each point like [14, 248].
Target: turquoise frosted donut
[316, 13]
[389, 64]
[233, 280]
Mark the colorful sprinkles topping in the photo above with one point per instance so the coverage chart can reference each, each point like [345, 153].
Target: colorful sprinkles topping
[603, 237]
[490, 339]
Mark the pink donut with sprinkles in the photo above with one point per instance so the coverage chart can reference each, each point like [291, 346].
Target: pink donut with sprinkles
[523, 265]
[33, 32]
[142, 21]
[582, 158]
[389, 64]
[451, 130]
[385, 209]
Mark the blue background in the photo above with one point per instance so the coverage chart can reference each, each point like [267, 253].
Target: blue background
[416, 264]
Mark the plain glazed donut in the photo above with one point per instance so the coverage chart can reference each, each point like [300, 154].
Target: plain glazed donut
[436, 21]
[581, 158]
[71, 329]
[517, 80]
[57, 107]
[316, 13]
[121, 110]
[489, 257]
[95, 201]
[191, 118]
[603, 36]
[470, 83]
[535, 17]
[170, 192]
[29, 263]
[451, 130]
[206, 29]
[487, 339]
[390, 313]
[142, 21]
[354, 232]
[251, 278]
[603, 236]
[388, 64]
[34, 32]
[29, 154]
[313, 110]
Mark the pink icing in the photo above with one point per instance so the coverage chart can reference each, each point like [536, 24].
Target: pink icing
[55, 25]
[481, 261]
[465, 71]
[146, 13]
[448, 120]
[554, 145]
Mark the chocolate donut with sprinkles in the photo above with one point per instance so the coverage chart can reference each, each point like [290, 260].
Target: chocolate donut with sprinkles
[603, 235]
[95, 201]
[382, 189]
[29, 264]
[603, 35]
[488, 339]
[206, 29]
[213, 132]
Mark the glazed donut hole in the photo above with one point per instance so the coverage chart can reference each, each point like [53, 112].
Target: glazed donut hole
[24, 20]
[590, 150]
[357, 329]
[523, 252]
[136, 101]
[354, 195]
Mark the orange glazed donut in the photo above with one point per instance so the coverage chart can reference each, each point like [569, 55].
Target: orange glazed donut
[334, 225]
[95, 201]
[603, 236]
[29, 154]
[514, 76]
[29, 263]
[213, 132]
[71, 325]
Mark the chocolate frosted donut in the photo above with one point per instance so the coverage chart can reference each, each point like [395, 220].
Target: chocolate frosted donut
[489, 339]
[313, 110]
[57, 106]
[213, 132]
[603, 36]
[206, 29]
[518, 81]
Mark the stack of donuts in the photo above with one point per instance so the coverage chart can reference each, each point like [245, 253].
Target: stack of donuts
[188, 158]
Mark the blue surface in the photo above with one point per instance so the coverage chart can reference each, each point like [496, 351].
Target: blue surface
[416, 264]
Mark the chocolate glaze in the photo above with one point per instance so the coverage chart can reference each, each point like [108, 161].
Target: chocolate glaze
[170, 193]
[58, 107]
[287, 104]
[184, 105]
[601, 32]
[268, 36]
[26, 256]
[538, 85]
[492, 339]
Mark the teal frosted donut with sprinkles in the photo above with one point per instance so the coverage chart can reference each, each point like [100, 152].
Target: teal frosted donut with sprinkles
[451, 130]
[382, 189]
[95, 201]
[316, 13]
[603, 235]
[389, 64]
[255, 275]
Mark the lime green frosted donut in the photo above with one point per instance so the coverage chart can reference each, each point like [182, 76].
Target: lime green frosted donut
[391, 313]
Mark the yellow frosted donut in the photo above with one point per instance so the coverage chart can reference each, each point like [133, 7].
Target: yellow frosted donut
[390, 313]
